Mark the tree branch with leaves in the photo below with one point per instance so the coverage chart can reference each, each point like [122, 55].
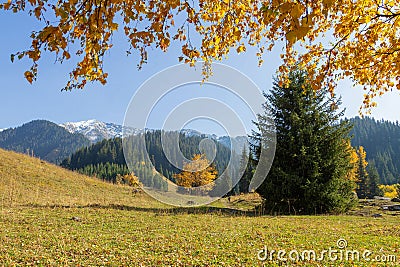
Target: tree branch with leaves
[338, 39]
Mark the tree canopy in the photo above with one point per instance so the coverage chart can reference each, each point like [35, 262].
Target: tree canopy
[197, 173]
[337, 39]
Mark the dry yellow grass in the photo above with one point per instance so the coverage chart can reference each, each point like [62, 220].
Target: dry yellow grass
[30, 181]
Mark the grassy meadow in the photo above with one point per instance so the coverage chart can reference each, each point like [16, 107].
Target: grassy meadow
[53, 217]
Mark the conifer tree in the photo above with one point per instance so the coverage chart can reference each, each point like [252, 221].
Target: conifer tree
[221, 185]
[312, 159]
[363, 183]
[246, 167]
[374, 181]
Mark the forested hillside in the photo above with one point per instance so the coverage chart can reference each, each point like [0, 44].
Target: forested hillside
[43, 139]
[381, 140]
[106, 158]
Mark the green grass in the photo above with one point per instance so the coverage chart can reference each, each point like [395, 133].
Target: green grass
[80, 221]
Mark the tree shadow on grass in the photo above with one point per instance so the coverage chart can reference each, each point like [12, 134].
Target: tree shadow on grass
[160, 211]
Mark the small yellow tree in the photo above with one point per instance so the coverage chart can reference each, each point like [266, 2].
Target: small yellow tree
[196, 173]
[352, 174]
[130, 179]
[390, 191]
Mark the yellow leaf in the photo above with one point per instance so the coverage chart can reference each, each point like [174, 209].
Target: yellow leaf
[306, 21]
[114, 26]
[66, 55]
[29, 76]
[241, 48]
[328, 3]
[302, 31]
[286, 7]
[291, 37]
[296, 11]
[37, 12]
[237, 33]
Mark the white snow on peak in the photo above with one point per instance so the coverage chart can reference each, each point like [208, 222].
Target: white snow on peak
[96, 130]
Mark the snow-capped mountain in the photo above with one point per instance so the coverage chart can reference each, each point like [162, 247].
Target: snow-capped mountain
[96, 130]
[2, 130]
[191, 132]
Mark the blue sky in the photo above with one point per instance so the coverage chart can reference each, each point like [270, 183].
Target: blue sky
[21, 102]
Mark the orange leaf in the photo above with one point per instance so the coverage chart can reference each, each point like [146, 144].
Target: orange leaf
[29, 76]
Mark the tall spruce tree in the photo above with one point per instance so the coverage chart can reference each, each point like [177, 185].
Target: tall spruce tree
[363, 183]
[374, 179]
[312, 159]
[246, 167]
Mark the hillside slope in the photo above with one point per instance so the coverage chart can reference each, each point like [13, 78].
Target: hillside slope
[30, 181]
[43, 139]
[381, 140]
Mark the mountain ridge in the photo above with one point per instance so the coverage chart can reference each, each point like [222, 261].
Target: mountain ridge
[42, 138]
[97, 131]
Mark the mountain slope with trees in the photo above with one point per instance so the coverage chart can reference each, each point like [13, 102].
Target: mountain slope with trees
[381, 141]
[106, 159]
[43, 139]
